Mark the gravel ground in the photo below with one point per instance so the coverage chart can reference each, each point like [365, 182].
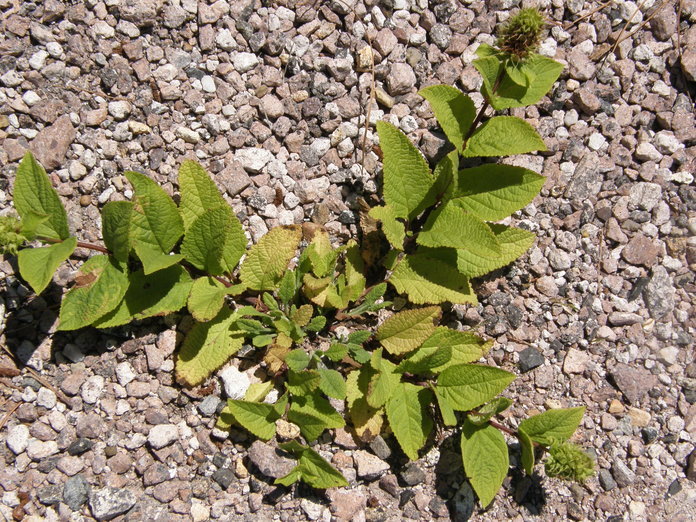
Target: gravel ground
[271, 97]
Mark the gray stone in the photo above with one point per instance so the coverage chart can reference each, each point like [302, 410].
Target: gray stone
[530, 358]
[253, 159]
[559, 260]
[162, 435]
[156, 474]
[52, 143]
[224, 477]
[622, 473]
[412, 474]
[580, 66]
[369, 466]
[646, 195]
[80, 446]
[76, 492]
[624, 318]
[401, 79]
[464, 502]
[50, 495]
[587, 180]
[18, 438]
[108, 503]
[269, 461]
[380, 448]
[244, 62]
[209, 405]
[659, 293]
[141, 12]
[640, 250]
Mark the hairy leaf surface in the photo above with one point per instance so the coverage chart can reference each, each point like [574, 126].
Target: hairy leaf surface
[553, 425]
[37, 265]
[206, 298]
[313, 414]
[455, 111]
[405, 331]
[503, 136]
[311, 468]
[198, 192]
[407, 412]
[467, 386]
[485, 458]
[267, 261]
[393, 229]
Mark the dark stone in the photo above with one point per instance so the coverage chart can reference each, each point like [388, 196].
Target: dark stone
[606, 480]
[412, 475]
[80, 446]
[76, 492]
[674, 488]
[530, 358]
[50, 495]
[224, 477]
[380, 448]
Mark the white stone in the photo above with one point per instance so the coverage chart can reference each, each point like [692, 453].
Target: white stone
[254, 159]
[119, 109]
[55, 50]
[647, 152]
[286, 217]
[188, 135]
[208, 83]
[236, 383]
[166, 72]
[199, 511]
[668, 356]
[244, 62]
[667, 143]
[125, 373]
[17, 438]
[38, 59]
[596, 141]
[162, 435]
[46, 398]
[661, 88]
[101, 28]
[225, 40]
[92, 389]
[682, 176]
[548, 47]
[39, 449]
[11, 79]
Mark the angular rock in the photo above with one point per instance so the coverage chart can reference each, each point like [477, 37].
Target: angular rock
[52, 143]
[530, 358]
[253, 159]
[142, 13]
[162, 435]
[18, 438]
[269, 461]
[76, 492]
[369, 466]
[412, 474]
[622, 473]
[224, 477]
[633, 382]
[659, 293]
[108, 503]
[640, 250]
[236, 383]
[587, 179]
[401, 79]
[346, 505]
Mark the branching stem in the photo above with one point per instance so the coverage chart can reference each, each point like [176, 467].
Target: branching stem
[80, 244]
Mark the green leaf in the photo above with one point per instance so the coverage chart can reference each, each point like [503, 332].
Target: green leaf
[257, 391]
[215, 241]
[503, 136]
[99, 287]
[153, 259]
[160, 293]
[384, 383]
[465, 346]
[297, 360]
[446, 411]
[332, 384]
[206, 298]
[256, 417]
[116, 228]
[321, 254]
[485, 458]
[33, 193]
[452, 226]
[207, 347]
[455, 111]
[427, 279]
[316, 324]
[313, 414]
[393, 229]
[37, 265]
[553, 425]
[446, 177]
[407, 412]
[527, 449]
[267, 261]
[336, 352]
[288, 287]
[155, 220]
[302, 315]
[198, 192]
[405, 331]
[493, 192]
[489, 410]
[407, 179]
[303, 382]
[424, 360]
[368, 304]
[355, 280]
[311, 468]
[467, 386]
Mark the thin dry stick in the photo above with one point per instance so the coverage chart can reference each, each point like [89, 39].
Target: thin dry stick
[9, 414]
[588, 15]
[370, 101]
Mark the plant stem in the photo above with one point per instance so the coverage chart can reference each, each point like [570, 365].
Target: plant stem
[486, 103]
[80, 244]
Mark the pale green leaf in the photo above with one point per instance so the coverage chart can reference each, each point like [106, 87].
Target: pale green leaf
[33, 193]
[313, 414]
[489, 410]
[446, 177]
[297, 360]
[302, 382]
[206, 298]
[427, 279]
[198, 192]
[466, 386]
[99, 287]
[322, 255]
[355, 280]
[493, 192]
[465, 347]
[207, 347]
[267, 261]
[407, 412]
[394, 230]
[424, 360]
[155, 218]
[527, 450]
[311, 468]
[152, 258]
[452, 226]
[408, 182]
[455, 111]
[37, 265]
[256, 417]
[384, 383]
[405, 331]
[160, 293]
[446, 411]
[332, 384]
[553, 425]
[503, 136]
[257, 391]
[485, 458]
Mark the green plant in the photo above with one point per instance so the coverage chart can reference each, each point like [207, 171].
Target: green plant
[405, 374]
